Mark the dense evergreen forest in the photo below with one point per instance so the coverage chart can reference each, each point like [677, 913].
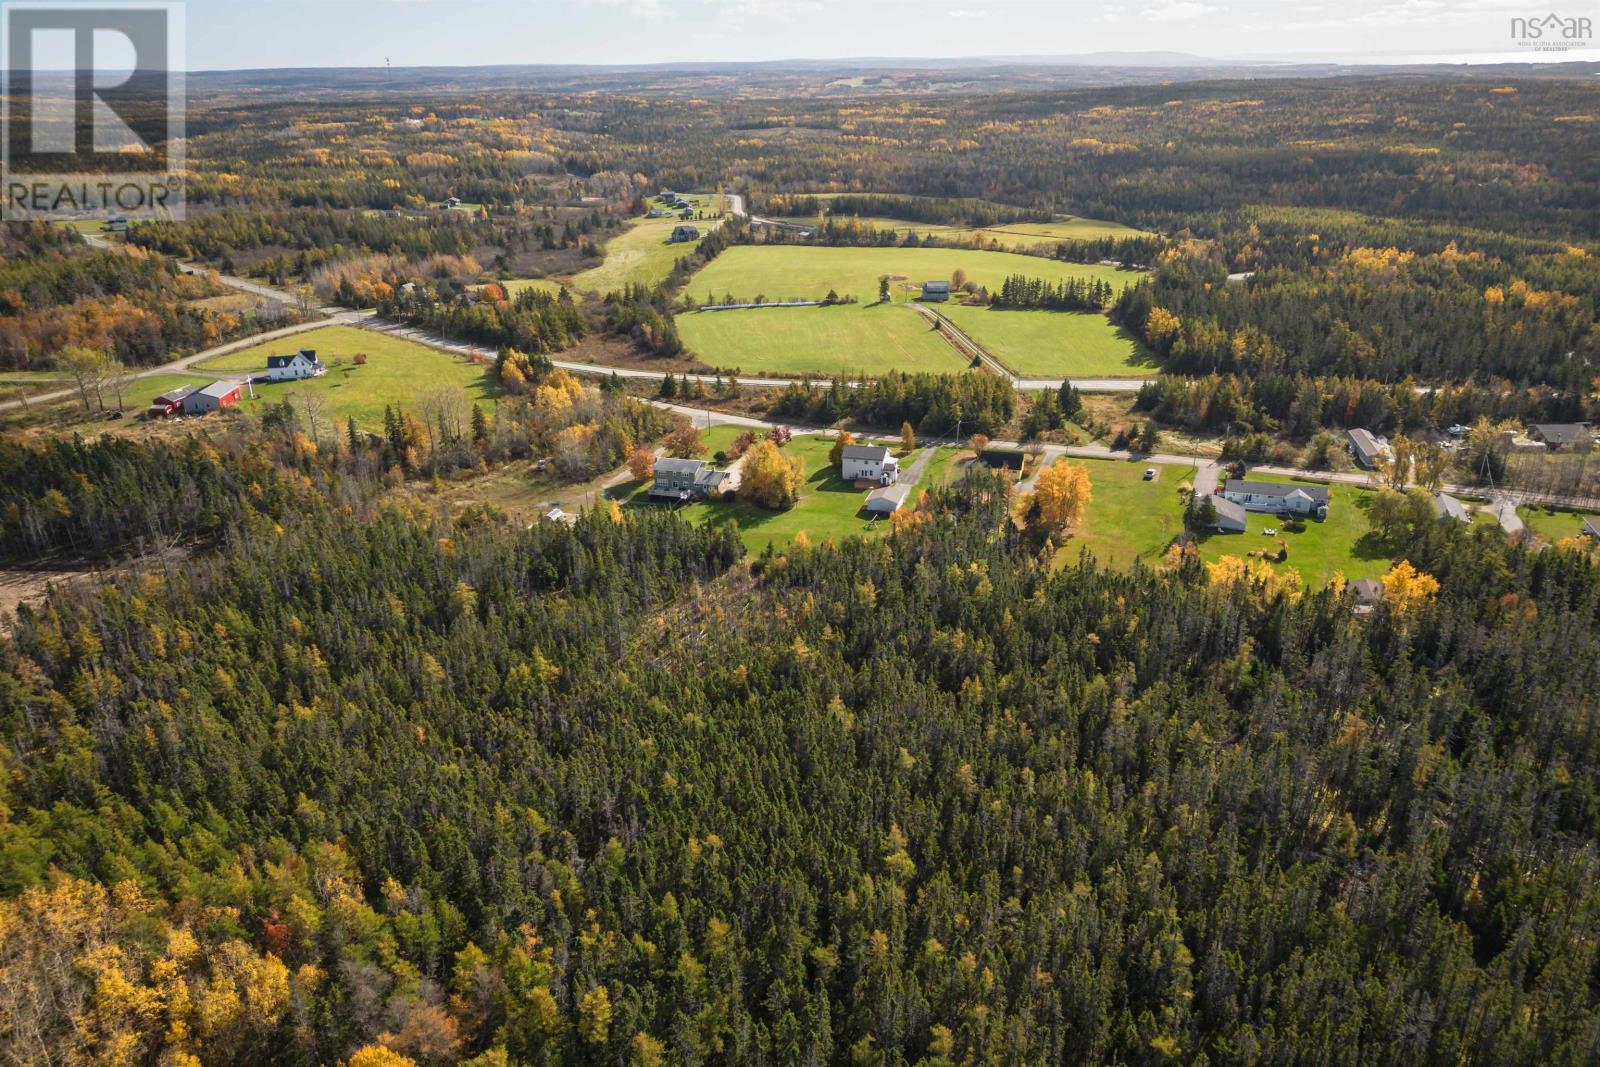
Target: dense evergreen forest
[607, 794]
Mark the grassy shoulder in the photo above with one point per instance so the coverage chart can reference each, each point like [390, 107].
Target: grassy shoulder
[806, 272]
[848, 340]
[1053, 344]
[396, 373]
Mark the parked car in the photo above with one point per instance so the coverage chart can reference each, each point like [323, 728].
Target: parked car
[1149, 474]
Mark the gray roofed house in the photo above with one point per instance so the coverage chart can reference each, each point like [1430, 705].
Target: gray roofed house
[685, 479]
[870, 463]
[1448, 507]
[1278, 497]
[936, 290]
[1367, 592]
[1369, 449]
[889, 499]
[683, 233]
[1231, 517]
[1591, 528]
[1559, 434]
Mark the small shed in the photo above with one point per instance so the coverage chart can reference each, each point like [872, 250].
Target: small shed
[936, 290]
[889, 499]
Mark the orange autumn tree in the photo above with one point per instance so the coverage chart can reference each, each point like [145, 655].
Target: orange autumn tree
[1063, 493]
[642, 464]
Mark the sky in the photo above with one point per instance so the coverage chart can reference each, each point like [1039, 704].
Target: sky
[243, 34]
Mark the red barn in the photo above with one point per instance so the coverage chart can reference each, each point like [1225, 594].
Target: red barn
[214, 397]
[169, 403]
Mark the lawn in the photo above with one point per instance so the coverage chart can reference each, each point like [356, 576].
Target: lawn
[828, 505]
[849, 340]
[1322, 550]
[806, 272]
[1053, 344]
[1129, 518]
[641, 254]
[1553, 525]
[397, 373]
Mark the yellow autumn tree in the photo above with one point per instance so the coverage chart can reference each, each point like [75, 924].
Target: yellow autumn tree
[1063, 492]
[840, 443]
[1233, 571]
[1161, 327]
[770, 478]
[594, 1016]
[1405, 587]
[378, 1056]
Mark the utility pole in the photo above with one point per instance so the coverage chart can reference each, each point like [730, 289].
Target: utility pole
[388, 70]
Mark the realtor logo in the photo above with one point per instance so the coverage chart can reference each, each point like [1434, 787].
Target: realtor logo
[1552, 32]
[92, 119]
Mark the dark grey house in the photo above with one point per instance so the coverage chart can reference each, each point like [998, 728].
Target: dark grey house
[685, 479]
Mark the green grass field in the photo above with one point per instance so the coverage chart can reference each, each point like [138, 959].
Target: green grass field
[640, 254]
[828, 505]
[1129, 518]
[397, 373]
[849, 340]
[1553, 525]
[1132, 519]
[1053, 344]
[1323, 549]
[1017, 235]
[803, 272]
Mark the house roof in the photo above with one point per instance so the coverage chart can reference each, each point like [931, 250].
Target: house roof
[673, 465]
[1319, 493]
[889, 498]
[172, 396]
[937, 286]
[1366, 589]
[1446, 505]
[1561, 433]
[1592, 528]
[1227, 509]
[870, 453]
[284, 361]
[1368, 445]
[218, 390]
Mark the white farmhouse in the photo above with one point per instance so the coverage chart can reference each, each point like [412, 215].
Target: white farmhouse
[303, 364]
[869, 463]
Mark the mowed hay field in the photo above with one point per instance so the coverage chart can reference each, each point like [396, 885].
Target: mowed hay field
[850, 340]
[784, 272]
[1011, 236]
[641, 254]
[396, 374]
[1053, 344]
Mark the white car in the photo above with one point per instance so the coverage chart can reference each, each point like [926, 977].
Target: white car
[1270, 531]
[1149, 474]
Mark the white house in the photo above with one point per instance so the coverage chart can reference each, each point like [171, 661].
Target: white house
[1278, 497]
[303, 364]
[869, 463]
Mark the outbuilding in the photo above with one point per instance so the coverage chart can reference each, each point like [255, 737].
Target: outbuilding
[936, 290]
[1369, 449]
[1231, 518]
[888, 499]
[213, 397]
[169, 402]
